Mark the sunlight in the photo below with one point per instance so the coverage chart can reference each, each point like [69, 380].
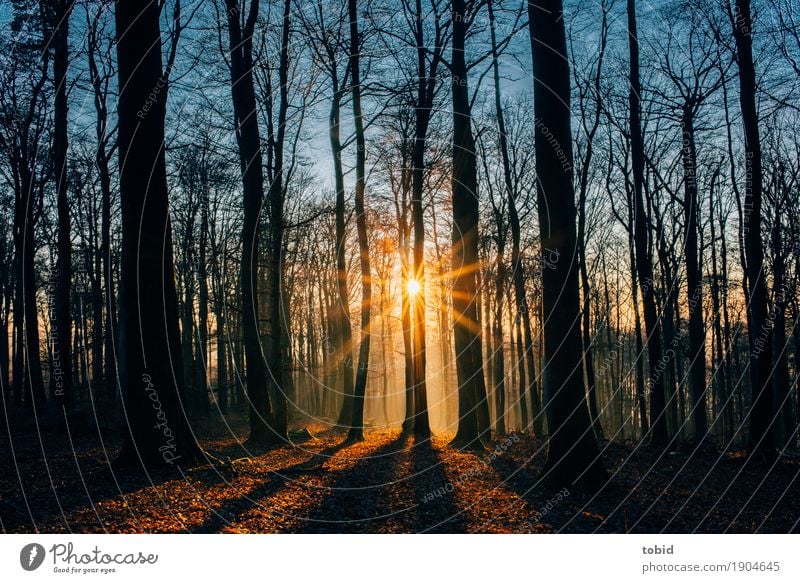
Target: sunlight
[414, 287]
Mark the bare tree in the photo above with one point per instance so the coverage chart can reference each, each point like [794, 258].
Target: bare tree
[572, 450]
[150, 357]
[760, 343]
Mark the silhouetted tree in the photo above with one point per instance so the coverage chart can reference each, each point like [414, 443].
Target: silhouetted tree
[644, 259]
[151, 371]
[473, 418]
[572, 453]
[760, 365]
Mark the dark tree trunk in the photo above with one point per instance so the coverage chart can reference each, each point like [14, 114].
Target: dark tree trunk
[758, 335]
[357, 420]
[102, 160]
[572, 451]
[5, 306]
[222, 356]
[262, 430]
[61, 327]
[18, 354]
[186, 276]
[720, 341]
[345, 337]
[520, 363]
[498, 353]
[275, 293]
[644, 261]
[405, 321]
[150, 360]
[583, 191]
[671, 313]
[96, 282]
[32, 378]
[781, 386]
[499, 357]
[472, 402]
[201, 371]
[426, 84]
[694, 280]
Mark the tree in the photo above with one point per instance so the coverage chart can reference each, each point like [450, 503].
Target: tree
[572, 453]
[99, 59]
[25, 128]
[760, 365]
[151, 372]
[326, 36]
[278, 180]
[644, 260]
[63, 317]
[590, 124]
[473, 419]
[264, 429]
[695, 80]
[356, 432]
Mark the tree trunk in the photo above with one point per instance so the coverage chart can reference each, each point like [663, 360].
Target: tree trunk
[150, 360]
[61, 328]
[720, 342]
[644, 261]
[694, 281]
[572, 450]
[781, 387]
[248, 137]
[405, 321]
[357, 420]
[472, 402]
[222, 358]
[758, 334]
[422, 113]
[32, 378]
[583, 191]
[201, 351]
[186, 271]
[102, 160]
[498, 353]
[278, 388]
[345, 346]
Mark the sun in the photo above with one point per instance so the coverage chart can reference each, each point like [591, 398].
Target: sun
[414, 287]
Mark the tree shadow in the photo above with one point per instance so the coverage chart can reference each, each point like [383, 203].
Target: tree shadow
[567, 509]
[275, 481]
[436, 511]
[357, 495]
[241, 449]
[55, 476]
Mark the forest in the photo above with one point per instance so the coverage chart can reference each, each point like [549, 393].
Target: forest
[399, 266]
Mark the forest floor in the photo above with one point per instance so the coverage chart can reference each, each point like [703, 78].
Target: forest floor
[389, 484]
